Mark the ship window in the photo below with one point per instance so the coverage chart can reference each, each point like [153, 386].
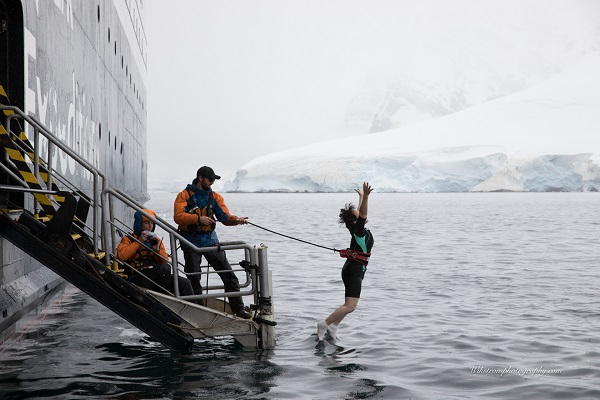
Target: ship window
[115, 47]
[108, 35]
[121, 148]
[98, 13]
[121, 62]
[115, 143]
[100, 131]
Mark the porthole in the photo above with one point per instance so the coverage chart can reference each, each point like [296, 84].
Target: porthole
[100, 131]
[108, 35]
[98, 13]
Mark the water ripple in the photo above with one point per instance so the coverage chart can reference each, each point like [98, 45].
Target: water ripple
[467, 296]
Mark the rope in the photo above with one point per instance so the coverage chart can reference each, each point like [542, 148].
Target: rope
[293, 238]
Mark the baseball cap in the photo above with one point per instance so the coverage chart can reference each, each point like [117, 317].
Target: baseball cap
[208, 173]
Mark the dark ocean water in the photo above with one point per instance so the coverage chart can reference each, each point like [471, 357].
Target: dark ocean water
[467, 296]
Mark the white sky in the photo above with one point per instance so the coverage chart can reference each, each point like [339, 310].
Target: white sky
[232, 80]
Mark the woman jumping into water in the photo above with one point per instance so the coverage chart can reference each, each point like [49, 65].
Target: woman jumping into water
[354, 269]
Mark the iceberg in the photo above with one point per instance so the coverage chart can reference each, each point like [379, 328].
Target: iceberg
[544, 138]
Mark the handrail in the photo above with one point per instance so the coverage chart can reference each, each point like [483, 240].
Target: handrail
[53, 140]
[231, 244]
[250, 251]
[27, 190]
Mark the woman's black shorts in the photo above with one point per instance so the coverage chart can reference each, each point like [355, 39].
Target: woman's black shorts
[352, 274]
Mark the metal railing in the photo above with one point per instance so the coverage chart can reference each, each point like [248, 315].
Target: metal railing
[105, 225]
[251, 253]
[39, 130]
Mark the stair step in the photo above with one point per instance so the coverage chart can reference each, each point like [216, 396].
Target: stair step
[13, 214]
[42, 219]
[99, 256]
[115, 267]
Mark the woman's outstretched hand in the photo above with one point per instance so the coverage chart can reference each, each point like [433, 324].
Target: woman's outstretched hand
[366, 189]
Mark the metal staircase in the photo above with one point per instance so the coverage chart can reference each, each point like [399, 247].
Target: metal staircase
[74, 232]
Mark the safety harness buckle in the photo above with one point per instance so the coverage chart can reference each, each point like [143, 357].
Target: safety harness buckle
[356, 255]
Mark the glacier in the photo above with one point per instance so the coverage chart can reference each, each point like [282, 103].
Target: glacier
[544, 138]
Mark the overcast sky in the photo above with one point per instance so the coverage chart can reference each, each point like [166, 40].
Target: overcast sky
[229, 81]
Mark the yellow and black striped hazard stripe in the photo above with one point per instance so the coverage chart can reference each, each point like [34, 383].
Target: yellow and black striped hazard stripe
[18, 158]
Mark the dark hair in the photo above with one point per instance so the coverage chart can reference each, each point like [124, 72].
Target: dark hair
[346, 215]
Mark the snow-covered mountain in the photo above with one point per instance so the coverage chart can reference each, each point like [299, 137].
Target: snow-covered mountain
[458, 66]
[544, 138]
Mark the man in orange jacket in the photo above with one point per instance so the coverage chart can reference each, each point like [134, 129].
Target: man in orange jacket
[196, 210]
[145, 253]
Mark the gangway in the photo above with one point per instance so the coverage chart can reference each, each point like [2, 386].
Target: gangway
[215, 317]
[74, 233]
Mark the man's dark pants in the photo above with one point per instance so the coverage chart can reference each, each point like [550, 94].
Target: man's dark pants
[218, 260]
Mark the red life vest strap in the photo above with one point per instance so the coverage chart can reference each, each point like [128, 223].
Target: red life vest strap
[356, 255]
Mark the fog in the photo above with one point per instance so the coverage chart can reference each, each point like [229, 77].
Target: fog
[230, 81]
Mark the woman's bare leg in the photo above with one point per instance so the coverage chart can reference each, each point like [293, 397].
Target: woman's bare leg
[338, 315]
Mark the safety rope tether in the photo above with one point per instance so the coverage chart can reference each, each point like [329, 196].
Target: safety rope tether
[356, 255]
[293, 238]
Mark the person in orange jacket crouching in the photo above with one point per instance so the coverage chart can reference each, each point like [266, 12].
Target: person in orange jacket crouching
[146, 254]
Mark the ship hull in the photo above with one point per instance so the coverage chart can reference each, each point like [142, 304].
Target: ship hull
[78, 67]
